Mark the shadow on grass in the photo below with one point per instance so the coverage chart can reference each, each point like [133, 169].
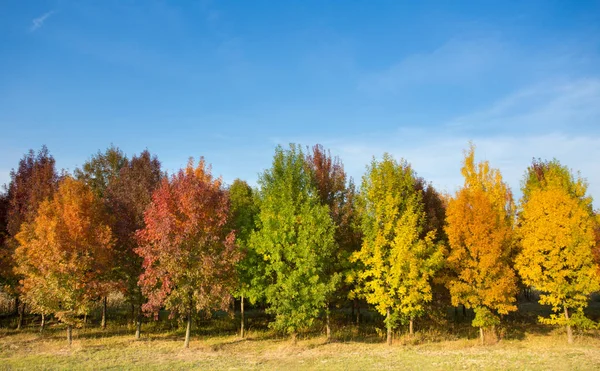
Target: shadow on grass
[454, 326]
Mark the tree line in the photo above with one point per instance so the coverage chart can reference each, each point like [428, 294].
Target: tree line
[306, 240]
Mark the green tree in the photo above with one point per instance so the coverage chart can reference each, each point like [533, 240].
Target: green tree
[557, 231]
[101, 168]
[339, 194]
[479, 226]
[399, 259]
[295, 238]
[251, 266]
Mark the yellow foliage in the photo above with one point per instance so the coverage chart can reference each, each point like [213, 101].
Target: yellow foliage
[557, 234]
[398, 262]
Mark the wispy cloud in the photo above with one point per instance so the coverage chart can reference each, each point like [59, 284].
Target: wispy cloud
[455, 61]
[552, 105]
[490, 61]
[38, 22]
[550, 120]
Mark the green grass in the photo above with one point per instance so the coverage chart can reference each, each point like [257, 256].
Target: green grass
[215, 346]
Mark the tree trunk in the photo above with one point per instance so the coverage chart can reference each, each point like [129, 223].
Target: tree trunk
[294, 338]
[21, 314]
[569, 330]
[16, 304]
[328, 326]
[132, 313]
[357, 313]
[389, 326]
[84, 320]
[43, 323]
[70, 334]
[138, 327]
[242, 319]
[481, 335]
[410, 327]
[464, 311]
[103, 323]
[188, 330]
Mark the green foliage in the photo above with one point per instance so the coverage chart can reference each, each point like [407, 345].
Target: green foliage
[485, 318]
[101, 168]
[251, 267]
[295, 238]
[339, 194]
[577, 319]
[399, 259]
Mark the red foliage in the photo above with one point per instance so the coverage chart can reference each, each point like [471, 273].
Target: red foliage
[188, 255]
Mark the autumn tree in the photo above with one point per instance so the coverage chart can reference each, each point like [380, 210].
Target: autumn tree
[98, 173]
[3, 234]
[34, 181]
[479, 226]
[557, 230]
[63, 253]
[189, 254]
[295, 238]
[337, 192]
[128, 196]
[251, 267]
[399, 259]
[434, 205]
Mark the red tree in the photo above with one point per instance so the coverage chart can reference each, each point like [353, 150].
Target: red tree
[189, 256]
[34, 181]
[128, 196]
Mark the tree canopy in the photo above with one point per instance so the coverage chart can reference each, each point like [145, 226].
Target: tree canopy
[295, 238]
[479, 226]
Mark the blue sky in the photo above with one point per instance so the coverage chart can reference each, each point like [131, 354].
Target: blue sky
[230, 80]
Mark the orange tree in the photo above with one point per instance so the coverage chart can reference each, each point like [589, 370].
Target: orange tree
[479, 226]
[64, 253]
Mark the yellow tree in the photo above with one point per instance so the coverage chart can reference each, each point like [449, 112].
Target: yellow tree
[479, 226]
[557, 231]
[64, 253]
[398, 259]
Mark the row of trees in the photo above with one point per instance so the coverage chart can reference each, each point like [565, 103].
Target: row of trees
[303, 242]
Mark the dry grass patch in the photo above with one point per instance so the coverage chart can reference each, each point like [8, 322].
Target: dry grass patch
[95, 349]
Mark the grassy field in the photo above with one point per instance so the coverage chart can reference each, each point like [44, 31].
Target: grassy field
[215, 346]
